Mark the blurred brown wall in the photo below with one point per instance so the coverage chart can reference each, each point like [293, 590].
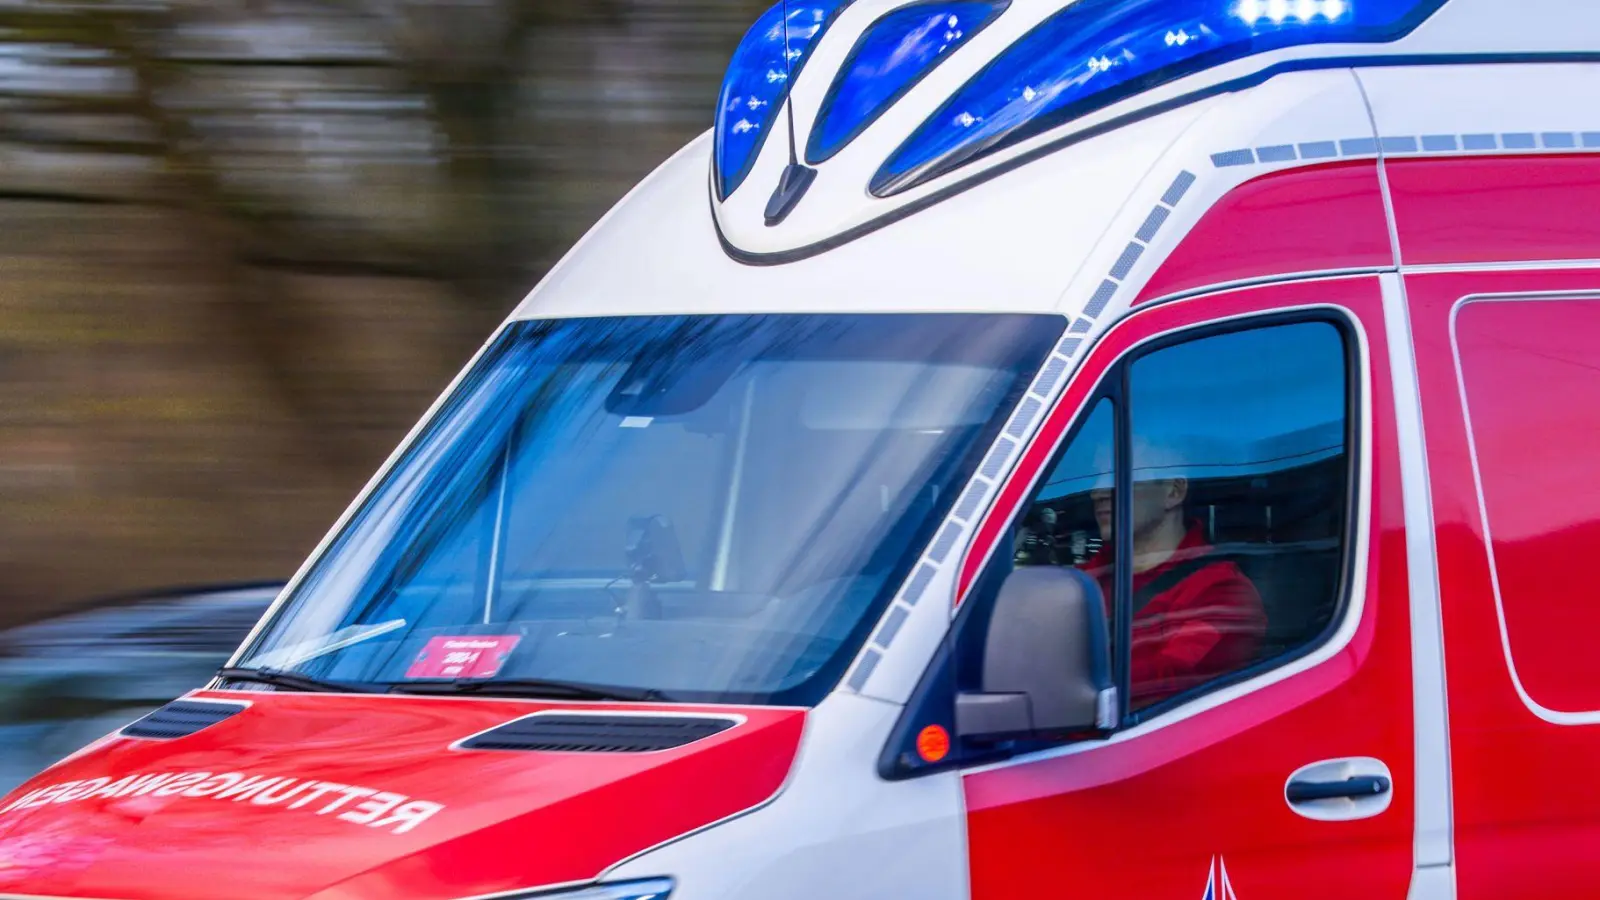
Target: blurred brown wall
[244, 243]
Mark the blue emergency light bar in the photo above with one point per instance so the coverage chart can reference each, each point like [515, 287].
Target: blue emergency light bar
[1094, 53]
[757, 84]
[899, 50]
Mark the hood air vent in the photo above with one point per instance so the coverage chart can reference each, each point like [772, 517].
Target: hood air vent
[181, 718]
[598, 733]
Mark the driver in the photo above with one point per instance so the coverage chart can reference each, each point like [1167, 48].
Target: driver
[1195, 616]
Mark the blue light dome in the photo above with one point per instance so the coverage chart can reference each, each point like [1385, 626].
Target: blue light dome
[898, 51]
[767, 61]
[1096, 52]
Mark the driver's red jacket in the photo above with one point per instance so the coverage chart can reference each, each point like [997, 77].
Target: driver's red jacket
[1210, 623]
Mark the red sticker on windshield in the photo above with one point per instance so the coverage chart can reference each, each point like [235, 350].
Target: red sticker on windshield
[463, 657]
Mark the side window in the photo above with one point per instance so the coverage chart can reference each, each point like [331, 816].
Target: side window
[1239, 467]
[1068, 522]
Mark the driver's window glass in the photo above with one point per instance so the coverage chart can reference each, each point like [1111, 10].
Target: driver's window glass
[1240, 470]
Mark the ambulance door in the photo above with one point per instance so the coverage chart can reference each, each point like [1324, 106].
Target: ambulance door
[1509, 366]
[1265, 748]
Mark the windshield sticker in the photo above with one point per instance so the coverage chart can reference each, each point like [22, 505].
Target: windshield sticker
[347, 802]
[463, 657]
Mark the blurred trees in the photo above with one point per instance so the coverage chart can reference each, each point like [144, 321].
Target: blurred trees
[243, 243]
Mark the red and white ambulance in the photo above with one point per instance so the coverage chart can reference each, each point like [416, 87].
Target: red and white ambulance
[770, 549]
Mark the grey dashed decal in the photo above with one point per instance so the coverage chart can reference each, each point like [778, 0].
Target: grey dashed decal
[1052, 372]
[1179, 187]
[864, 668]
[1234, 158]
[1282, 153]
[969, 505]
[1026, 413]
[919, 584]
[998, 457]
[1124, 265]
[1319, 150]
[1147, 231]
[891, 626]
[946, 543]
[1102, 296]
[1402, 144]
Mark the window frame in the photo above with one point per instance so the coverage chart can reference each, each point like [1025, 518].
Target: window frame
[1114, 384]
[1122, 371]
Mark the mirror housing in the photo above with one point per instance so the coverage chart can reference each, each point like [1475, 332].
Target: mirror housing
[1047, 661]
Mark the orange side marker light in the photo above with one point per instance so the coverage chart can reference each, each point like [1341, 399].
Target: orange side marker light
[933, 744]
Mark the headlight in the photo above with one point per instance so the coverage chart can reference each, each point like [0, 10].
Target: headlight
[652, 889]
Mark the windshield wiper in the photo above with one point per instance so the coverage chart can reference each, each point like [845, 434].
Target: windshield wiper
[305, 651]
[288, 680]
[533, 687]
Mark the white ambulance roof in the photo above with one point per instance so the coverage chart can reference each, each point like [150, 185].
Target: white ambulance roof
[1001, 246]
[1026, 228]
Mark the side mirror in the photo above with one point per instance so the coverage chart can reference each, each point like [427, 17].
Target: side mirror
[1047, 660]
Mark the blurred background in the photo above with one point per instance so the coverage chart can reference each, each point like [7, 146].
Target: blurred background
[243, 245]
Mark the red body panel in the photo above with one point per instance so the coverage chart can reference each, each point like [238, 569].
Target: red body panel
[1316, 219]
[1524, 437]
[1526, 789]
[1496, 209]
[1143, 817]
[509, 819]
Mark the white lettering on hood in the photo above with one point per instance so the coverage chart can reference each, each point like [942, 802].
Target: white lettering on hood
[396, 813]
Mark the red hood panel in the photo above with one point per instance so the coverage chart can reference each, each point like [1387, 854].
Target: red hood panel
[362, 796]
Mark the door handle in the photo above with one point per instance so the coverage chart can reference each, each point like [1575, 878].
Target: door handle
[1340, 790]
[1356, 788]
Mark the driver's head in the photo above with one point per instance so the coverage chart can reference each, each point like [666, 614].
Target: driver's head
[1155, 503]
[1158, 493]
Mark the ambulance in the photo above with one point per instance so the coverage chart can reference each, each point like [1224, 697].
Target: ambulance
[1111, 448]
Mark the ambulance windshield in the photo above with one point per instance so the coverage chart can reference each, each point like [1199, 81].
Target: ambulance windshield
[708, 508]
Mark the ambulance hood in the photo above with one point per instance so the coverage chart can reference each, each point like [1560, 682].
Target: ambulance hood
[303, 795]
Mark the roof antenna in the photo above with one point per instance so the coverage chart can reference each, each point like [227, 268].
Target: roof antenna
[796, 178]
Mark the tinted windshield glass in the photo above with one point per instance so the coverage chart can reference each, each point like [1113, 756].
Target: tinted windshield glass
[716, 508]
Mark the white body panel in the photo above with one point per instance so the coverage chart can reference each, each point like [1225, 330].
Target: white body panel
[837, 830]
[1537, 99]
